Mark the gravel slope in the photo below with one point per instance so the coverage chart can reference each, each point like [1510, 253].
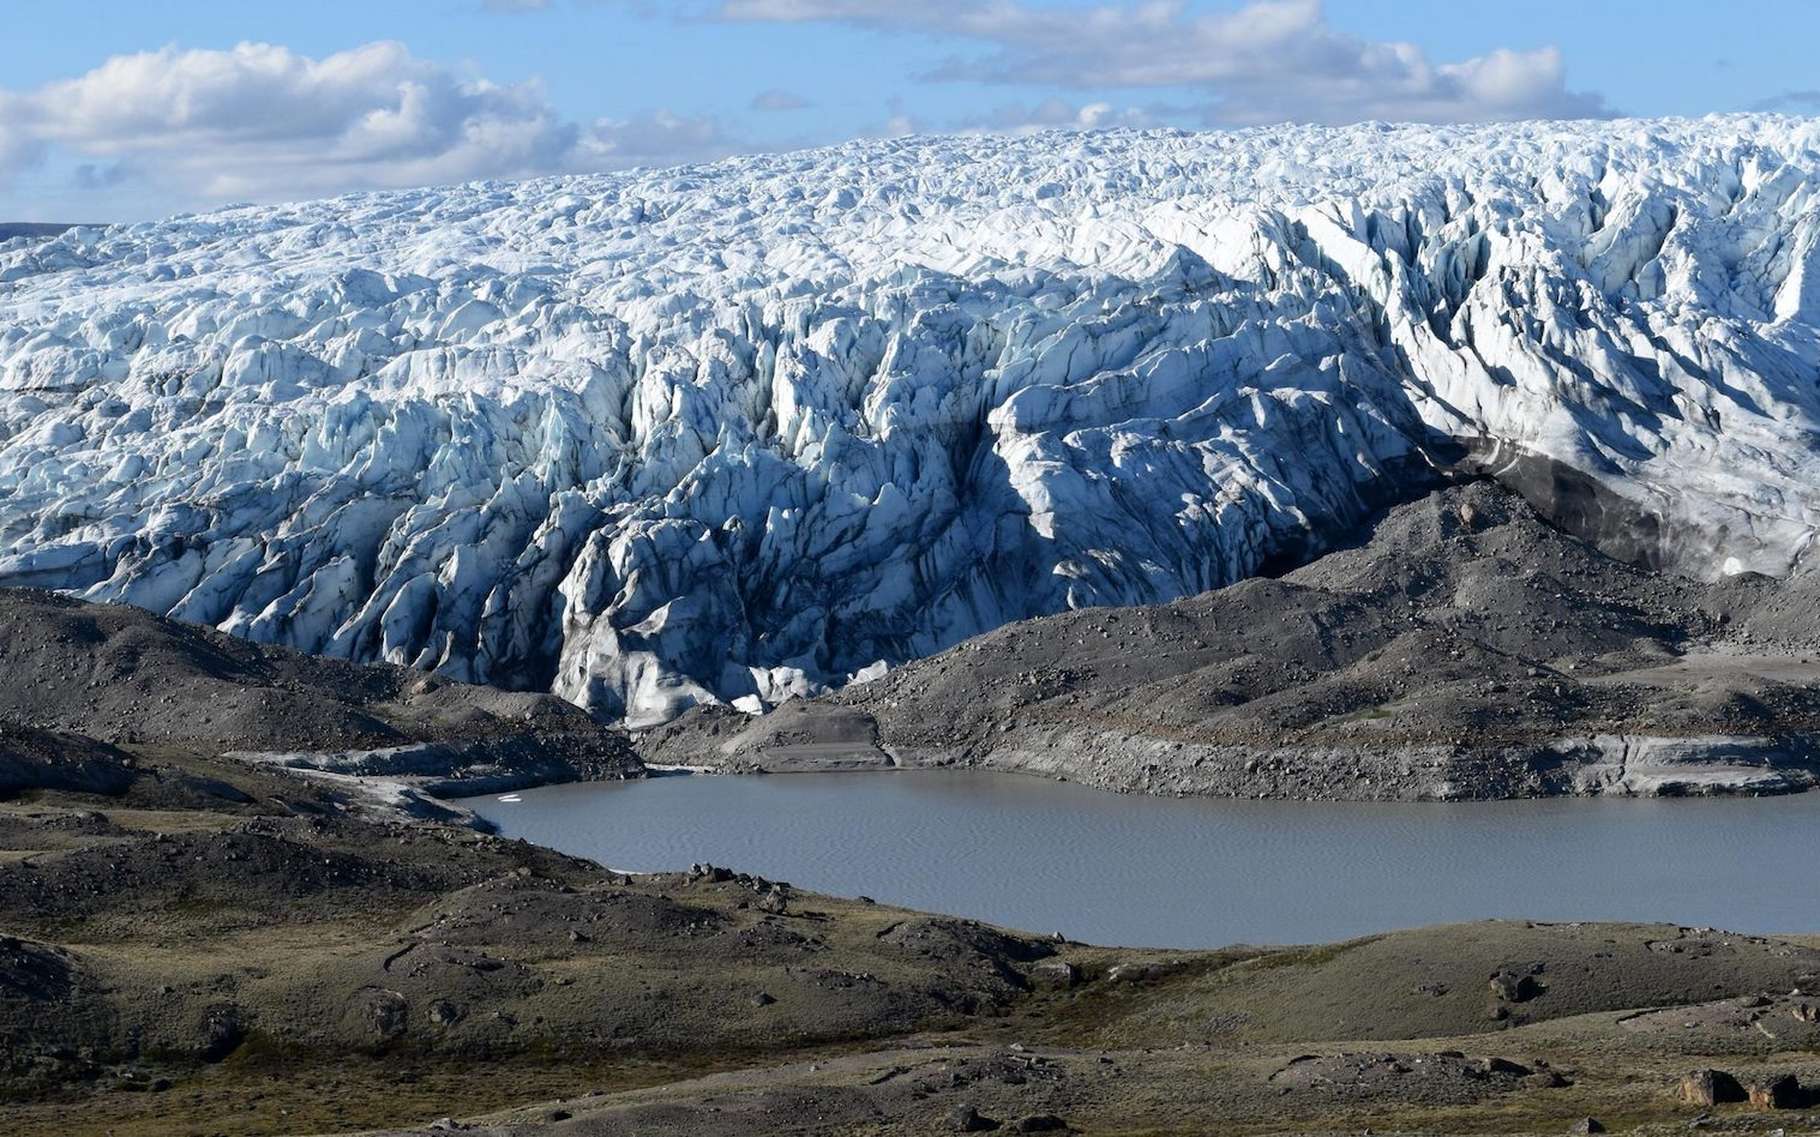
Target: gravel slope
[83, 687]
[228, 949]
[1464, 649]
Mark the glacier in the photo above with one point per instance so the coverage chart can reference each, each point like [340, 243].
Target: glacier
[748, 430]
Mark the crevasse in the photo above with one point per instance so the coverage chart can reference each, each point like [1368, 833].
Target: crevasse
[740, 431]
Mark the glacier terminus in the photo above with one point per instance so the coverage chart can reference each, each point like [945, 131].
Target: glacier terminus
[742, 431]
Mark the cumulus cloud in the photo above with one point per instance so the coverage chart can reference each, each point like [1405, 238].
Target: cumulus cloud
[262, 122]
[657, 139]
[1267, 61]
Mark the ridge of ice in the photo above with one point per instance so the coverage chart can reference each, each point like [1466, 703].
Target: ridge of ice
[742, 430]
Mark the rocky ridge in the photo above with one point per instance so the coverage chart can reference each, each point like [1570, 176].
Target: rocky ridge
[1463, 648]
[85, 689]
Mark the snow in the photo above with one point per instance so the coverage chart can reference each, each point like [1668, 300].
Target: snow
[742, 431]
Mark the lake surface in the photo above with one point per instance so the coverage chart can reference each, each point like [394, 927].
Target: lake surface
[1165, 872]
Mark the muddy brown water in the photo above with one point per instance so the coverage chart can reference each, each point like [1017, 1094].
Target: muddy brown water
[1146, 871]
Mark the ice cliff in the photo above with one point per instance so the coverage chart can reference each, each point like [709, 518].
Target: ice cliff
[741, 430]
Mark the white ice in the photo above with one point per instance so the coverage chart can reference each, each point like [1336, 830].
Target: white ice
[741, 431]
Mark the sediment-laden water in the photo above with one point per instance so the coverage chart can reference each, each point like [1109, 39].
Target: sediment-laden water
[1138, 870]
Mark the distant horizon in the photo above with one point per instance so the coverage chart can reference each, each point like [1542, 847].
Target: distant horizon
[190, 106]
[7, 221]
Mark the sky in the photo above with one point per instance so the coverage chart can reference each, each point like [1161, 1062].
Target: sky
[122, 110]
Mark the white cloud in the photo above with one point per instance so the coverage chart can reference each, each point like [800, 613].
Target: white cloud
[262, 122]
[1269, 60]
[185, 128]
[1013, 118]
[661, 138]
[1089, 116]
[1060, 114]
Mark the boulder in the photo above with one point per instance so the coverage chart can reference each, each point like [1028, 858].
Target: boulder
[1779, 1091]
[222, 1032]
[1055, 973]
[376, 1015]
[1710, 1087]
[1517, 983]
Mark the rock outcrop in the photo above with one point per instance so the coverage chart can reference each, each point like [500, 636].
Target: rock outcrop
[1462, 649]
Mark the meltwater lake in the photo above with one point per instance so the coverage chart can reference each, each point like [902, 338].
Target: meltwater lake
[1165, 872]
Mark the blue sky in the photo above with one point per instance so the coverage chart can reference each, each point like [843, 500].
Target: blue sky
[115, 110]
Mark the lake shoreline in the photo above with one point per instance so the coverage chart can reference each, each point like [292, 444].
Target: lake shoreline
[1188, 872]
[216, 933]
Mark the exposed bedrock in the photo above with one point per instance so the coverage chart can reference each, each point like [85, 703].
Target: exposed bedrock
[1462, 648]
[741, 431]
